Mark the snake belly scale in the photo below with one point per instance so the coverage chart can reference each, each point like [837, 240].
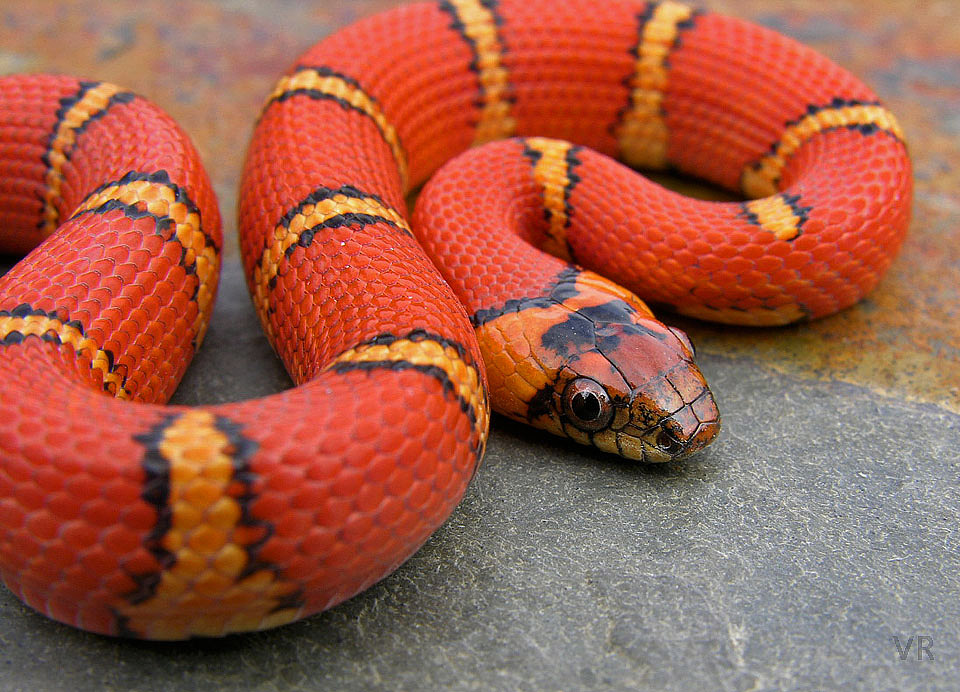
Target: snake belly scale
[123, 516]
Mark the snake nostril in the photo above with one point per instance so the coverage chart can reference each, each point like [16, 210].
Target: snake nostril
[668, 443]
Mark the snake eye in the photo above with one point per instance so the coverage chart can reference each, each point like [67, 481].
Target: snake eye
[684, 339]
[587, 405]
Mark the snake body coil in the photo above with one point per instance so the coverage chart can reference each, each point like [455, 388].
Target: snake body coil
[163, 522]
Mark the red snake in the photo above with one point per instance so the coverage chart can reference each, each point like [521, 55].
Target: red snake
[150, 521]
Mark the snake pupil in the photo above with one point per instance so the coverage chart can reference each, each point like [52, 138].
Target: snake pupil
[586, 406]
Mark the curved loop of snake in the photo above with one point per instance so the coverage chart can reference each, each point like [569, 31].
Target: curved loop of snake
[133, 518]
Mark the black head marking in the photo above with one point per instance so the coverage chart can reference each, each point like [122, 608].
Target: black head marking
[574, 335]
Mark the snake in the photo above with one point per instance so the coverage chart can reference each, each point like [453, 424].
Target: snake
[512, 286]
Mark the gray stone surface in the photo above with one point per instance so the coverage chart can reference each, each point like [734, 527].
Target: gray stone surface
[789, 555]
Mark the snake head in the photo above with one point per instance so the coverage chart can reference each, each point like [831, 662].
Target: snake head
[637, 393]
[604, 372]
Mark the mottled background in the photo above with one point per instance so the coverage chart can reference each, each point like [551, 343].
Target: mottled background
[820, 526]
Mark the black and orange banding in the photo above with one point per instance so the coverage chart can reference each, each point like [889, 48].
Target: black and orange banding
[762, 178]
[178, 219]
[320, 82]
[205, 540]
[246, 515]
[781, 214]
[90, 103]
[642, 131]
[478, 22]
[441, 359]
[554, 168]
[24, 321]
[323, 208]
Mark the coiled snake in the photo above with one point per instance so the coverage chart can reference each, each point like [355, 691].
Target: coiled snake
[133, 518]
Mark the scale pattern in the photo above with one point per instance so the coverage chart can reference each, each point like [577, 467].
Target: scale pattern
[137, 519]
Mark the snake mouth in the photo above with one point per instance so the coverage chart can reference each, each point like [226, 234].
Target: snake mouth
[705, 433]
[680, 434]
